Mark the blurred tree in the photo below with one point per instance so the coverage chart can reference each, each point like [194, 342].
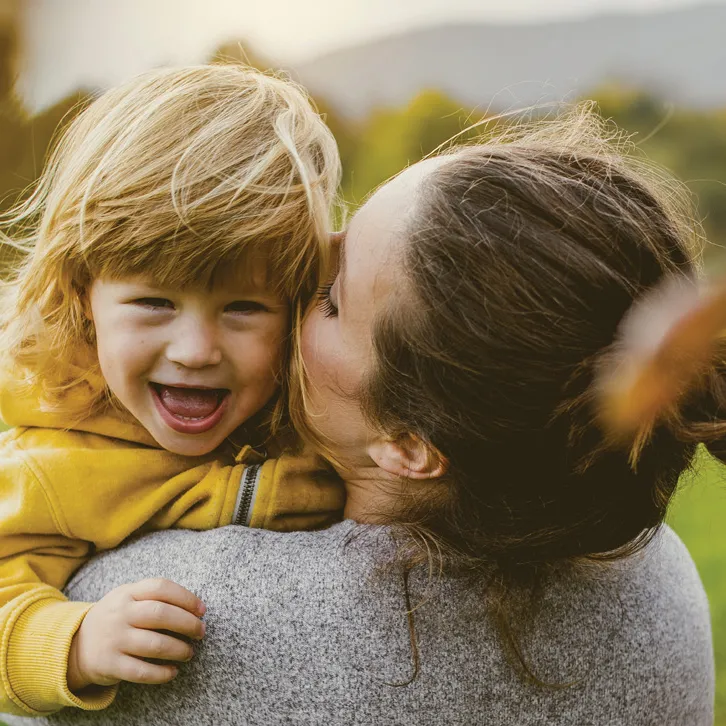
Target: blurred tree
[393, 138]
[239, 52]
[24, 140]
[25, 143]
[690, 143]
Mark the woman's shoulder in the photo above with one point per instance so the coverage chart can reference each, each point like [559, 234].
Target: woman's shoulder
[661, 584]
[270, 558]
[667, 609]
[661, 580]
[663, 570]
[641, 622]
[654, 595]
[316, 611]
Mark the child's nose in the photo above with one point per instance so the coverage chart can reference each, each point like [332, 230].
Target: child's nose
[194, 345]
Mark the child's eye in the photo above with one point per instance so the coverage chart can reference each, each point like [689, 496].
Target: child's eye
[325, 302]
[155, 303]
[245, 307]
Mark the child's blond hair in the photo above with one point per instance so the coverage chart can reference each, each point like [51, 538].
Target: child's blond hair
[179, 174]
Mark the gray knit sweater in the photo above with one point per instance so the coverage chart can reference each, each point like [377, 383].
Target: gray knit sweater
[305, 628]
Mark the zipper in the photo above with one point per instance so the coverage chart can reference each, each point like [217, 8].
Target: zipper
[247, 490]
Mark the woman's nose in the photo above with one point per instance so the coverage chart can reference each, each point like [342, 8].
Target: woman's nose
[194, 344]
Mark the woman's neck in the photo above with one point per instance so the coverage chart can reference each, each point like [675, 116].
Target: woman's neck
[372, 495]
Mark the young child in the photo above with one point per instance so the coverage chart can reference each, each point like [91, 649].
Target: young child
[173, 239]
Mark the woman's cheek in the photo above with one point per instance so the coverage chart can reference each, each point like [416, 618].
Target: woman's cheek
[318, 346]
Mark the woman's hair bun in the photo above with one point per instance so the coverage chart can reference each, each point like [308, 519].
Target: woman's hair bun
[667, 365]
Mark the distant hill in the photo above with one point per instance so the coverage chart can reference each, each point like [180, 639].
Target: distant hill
[680, 55]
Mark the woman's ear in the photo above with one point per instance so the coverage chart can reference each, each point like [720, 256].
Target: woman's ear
[408, 456]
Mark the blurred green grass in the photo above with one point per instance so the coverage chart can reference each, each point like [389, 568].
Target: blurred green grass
[698, 515]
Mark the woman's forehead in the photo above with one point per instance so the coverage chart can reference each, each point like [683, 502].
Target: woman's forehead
[380, 222]
[398, 198]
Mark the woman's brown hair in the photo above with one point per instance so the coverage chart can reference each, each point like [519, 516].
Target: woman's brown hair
[519, 263]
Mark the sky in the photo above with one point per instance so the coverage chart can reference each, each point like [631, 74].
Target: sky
[67, 44]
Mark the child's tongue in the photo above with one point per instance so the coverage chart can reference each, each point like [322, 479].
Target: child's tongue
[189, 402]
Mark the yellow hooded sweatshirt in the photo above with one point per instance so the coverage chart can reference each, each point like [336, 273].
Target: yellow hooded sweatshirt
[66, 494]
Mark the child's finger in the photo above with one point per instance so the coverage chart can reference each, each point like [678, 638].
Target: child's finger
[158, 588]
[155, 615]
[135, 670]
[150, 644]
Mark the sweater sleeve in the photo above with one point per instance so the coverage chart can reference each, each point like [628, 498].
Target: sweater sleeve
[68, 494]
[37, 624]
[291, 493]
[64, 496]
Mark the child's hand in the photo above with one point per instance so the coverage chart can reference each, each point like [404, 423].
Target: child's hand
[119, 630]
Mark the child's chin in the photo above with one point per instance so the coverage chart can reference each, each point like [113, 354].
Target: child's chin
[187, 446]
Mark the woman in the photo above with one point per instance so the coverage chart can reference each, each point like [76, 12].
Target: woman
[450, 368]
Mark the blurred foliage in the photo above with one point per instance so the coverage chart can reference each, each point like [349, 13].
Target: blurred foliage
[389, 139]
[692, 144]
[26, 141]
[698, 514]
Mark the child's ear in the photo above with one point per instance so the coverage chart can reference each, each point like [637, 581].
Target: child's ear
[408, 456]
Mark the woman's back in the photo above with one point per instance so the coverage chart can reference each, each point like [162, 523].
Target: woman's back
[306, 628]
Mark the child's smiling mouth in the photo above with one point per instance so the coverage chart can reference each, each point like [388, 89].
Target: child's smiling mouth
[190, 410]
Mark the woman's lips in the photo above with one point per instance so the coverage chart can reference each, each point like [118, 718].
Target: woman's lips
[190, 410]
